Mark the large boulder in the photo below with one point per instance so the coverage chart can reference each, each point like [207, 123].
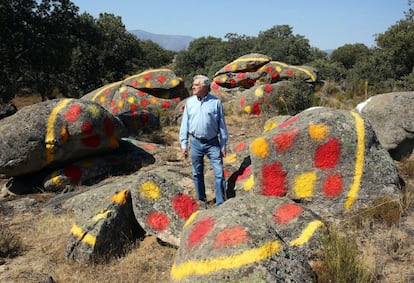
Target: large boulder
[392, 118]
[330, 160]
[107, 233]
[247, 239]
[162, 203]
[53, 132]
[246, 63]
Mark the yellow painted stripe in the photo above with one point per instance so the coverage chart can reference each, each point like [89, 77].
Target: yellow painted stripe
[359, 162]
[102, 215]
[50, 133]
[306, 233]
[105, 88]
[306, 71]
[191, 218]
[120, 197]
[281, 63]
[225, 262]
[146, 72]
[81, 235]
[250, 59]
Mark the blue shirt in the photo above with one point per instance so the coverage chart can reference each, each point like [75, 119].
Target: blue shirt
[204, 119]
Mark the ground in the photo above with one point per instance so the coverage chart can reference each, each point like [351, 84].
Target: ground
[43, 236]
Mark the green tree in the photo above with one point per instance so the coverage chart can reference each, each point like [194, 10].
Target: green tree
[155, 55]
[398, 44]
[16, 21]
[375, 69]
[201, 53]
[237, 45]
[329, 70]
[56, 22]
[104, 53]
[349, 54]
[120, 51]
[280, 44]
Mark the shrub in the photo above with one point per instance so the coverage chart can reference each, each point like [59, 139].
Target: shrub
[292, 97]
[10, 245]
[342, 261]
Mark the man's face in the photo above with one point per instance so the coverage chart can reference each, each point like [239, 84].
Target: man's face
[199, 89]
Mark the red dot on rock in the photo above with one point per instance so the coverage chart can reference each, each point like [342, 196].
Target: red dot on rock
[200, 231]
[273, 179]
[327, 155]
[286, 213]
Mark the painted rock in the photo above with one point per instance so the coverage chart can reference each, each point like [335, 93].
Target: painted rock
[392, 118]
[105, 234]
[249, 62]
[53, 132]
[247, 239]
[162, 204]
[328, 159]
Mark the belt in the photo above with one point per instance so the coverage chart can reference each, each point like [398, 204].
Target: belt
[201, 139]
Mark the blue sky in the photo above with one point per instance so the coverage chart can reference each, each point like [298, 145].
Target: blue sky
[326, 24]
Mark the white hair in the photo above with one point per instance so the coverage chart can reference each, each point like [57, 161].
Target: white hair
[203, 79]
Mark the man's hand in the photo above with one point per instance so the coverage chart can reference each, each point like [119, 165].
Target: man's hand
[185, 152]
[223, 152]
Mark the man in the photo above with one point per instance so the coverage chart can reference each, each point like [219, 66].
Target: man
[203, 120]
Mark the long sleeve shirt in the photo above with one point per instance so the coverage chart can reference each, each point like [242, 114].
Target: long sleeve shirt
[203, 119]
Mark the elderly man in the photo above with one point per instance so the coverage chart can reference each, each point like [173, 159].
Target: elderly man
[203, 121]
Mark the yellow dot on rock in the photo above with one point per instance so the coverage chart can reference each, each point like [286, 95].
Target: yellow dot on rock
[258, 92]
[231, 158]
[120, 197]
[318, 132]
[260, 147]
[269, 126]
[149, 190]
[120, 104]
[304, 185]
[249, 183]
[247, 109]
[64, 133]
[131, 100]
[113, 142]
[102, 99]
[87, 163]
[94, 111]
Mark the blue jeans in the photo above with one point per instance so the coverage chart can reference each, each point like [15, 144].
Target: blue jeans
[210, 148]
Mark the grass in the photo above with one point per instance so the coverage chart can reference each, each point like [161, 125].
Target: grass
[10, 243]
[373, 245]
[383, 210]
[342, 261]
[41, 255]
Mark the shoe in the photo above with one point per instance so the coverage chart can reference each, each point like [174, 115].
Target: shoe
[202, 204]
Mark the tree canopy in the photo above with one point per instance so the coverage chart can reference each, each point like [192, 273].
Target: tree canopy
[46, 46]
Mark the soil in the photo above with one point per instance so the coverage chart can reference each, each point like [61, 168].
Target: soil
[40, 258]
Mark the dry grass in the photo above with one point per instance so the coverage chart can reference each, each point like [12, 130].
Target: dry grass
[22, 101]
[43, 241]
[374, 245]
[342, 261]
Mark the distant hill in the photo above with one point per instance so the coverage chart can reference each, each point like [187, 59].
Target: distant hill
[166, 41]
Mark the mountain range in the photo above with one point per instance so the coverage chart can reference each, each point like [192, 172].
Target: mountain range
[166, 41]
[174, 42]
